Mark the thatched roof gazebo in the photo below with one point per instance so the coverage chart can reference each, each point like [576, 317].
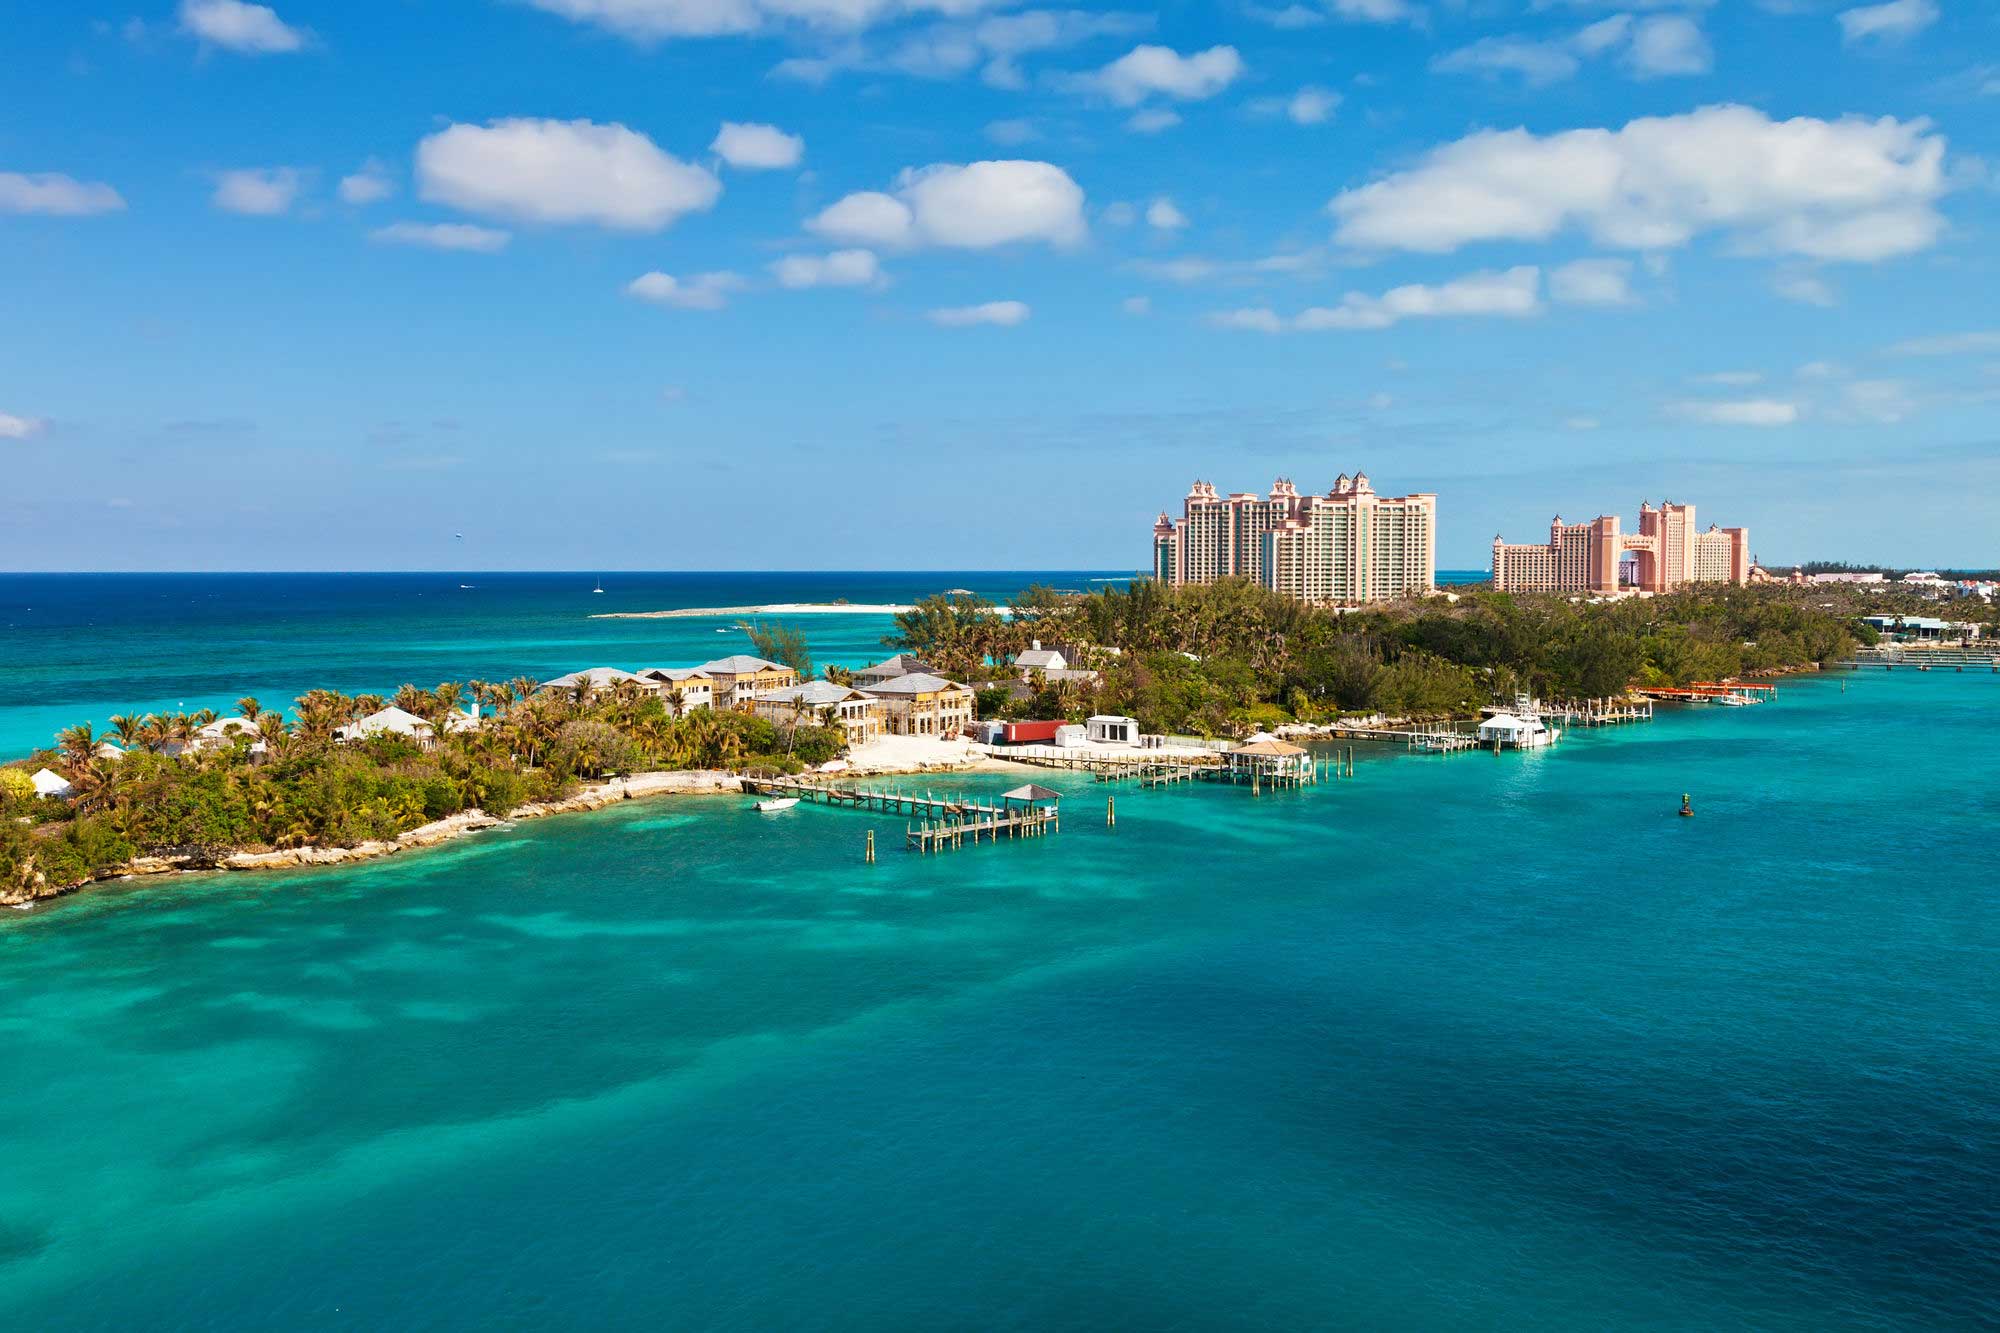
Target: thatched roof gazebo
[1030, 795]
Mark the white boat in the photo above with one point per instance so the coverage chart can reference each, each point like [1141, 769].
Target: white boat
[777, 803]
[599, 587]
[1510, 732]
[1732, 700]
[22, 907]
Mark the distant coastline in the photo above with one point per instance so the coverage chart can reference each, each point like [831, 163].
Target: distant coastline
[768, 609]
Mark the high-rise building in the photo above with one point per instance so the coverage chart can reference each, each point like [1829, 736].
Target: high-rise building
[1349, 545]
[1667, 552]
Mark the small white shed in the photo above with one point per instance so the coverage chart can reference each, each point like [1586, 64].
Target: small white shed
[1110, 729]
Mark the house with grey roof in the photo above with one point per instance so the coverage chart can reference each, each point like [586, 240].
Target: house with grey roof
[821, 703]
[923, 704]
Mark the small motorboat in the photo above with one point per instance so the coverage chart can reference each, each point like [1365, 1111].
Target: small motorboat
[777, 803]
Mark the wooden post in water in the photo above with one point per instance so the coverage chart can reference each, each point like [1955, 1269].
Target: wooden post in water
[871, 847]
[1111, 812]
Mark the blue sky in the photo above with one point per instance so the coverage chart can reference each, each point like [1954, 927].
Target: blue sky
[944, 283]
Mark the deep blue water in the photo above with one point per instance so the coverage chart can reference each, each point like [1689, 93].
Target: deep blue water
[84, 647]
[1464, 1043]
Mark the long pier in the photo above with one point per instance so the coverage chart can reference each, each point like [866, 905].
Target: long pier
[1927, 659]
[940, 822]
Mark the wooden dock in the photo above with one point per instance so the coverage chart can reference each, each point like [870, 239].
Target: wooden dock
[1426, 739]
[932, 822]
[1598, 712]
[1927, 659]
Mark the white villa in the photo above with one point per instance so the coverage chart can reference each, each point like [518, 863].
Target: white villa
[598, 678]
[51, 785]
[390, 721]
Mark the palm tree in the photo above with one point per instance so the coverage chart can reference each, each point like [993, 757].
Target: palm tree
[411, 699]
[522, 688]
[78, 745]
[365, 704]
[126, 727]
[248, 708]
[201, 717]
[271, 730]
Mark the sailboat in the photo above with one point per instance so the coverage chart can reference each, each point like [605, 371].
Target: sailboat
[599, 587]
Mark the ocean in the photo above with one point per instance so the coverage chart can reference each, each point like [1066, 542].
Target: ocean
[85, 647]
[1466, 1042]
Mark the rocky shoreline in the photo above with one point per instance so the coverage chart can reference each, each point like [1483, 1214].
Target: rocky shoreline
[684, 782]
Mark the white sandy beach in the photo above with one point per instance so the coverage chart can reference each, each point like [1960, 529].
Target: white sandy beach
[771, 609]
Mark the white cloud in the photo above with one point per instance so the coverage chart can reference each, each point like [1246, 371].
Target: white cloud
[1515, 294]
[1538, 63]
[1310, 105]
[1012, 133]
[369, 185]
[1592, 282]
[1160, 71]
[443, 236]
[1291, 18]
[652, 20]
[1738, 412]
[1884, 402]
[1004, 314]
[947, 50]
[757, 147]
[1118, 213]
[1254, 320]
[658, 20]
[1582, 423]
[1950, 344]
[972, 207]
[251, 30]
[1849, 189]
[1668, 45]
[703, 291]
[1891, 22]
[56, 194]
[258, 191]
[1137, 305]
[841, 268]
[1732, 379]
[1804, 288]
[1152, 120]
[1163, 215]
[562, 171]
[1649, 48]
[19, 428]
[1376, 11]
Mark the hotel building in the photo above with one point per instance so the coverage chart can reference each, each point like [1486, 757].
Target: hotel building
[1349, 545]
[1667, 552]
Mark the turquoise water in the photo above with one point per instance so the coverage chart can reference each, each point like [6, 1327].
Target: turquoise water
[83, 647]
[1462, 1043]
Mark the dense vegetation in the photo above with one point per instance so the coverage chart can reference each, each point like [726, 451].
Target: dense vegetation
[1218, 658]
[167, 795]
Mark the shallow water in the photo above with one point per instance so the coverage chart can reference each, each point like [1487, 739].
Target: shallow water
[1465, 1042]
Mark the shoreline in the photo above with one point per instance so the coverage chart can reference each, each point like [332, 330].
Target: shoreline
[769, 609]
[439, 832]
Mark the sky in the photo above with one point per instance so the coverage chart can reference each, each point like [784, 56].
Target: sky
[779, 284]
